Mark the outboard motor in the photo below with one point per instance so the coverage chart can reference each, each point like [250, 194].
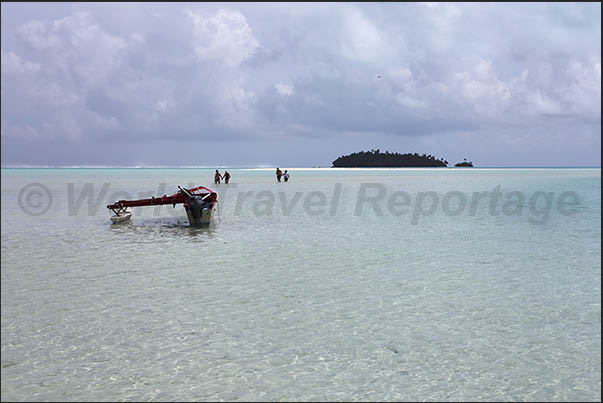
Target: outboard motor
[195, 205]
[198, 211]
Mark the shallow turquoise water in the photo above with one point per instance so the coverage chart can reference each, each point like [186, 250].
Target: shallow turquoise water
[303, 290]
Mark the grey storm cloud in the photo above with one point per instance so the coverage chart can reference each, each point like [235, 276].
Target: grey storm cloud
[76, 75]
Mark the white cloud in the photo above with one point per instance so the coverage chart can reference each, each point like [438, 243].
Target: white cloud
[90, 51]
[237, 107]
[542, 104]
[225, 37]
[13, 64]
[481, 90]
[410, 102]
[362, 40]
[284, 90]
[432, 4]
[37, 35]
[402, 75]
[134, 71]
[161, 106]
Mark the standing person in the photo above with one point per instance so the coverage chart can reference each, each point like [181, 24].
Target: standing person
[286, 176]
[217, 177]
[226, 177]
[278, 174]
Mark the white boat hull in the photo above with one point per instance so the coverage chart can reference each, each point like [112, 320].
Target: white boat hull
[123, 217]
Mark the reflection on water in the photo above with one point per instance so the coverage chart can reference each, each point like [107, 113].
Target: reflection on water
[166, 227]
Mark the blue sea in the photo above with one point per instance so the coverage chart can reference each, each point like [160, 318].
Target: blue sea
[338, 285]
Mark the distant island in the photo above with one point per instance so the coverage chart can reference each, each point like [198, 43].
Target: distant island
[464, 164]
[377, 159]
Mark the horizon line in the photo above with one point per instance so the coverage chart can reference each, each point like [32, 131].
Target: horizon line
[268, 167]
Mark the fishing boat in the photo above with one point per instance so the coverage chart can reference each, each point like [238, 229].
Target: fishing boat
[199, 204]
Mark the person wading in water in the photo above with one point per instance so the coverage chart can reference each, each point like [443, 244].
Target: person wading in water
[278, 174]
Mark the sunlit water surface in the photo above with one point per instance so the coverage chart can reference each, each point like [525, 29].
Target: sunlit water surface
[310, 299]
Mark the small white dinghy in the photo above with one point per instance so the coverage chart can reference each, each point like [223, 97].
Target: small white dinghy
[122, 215]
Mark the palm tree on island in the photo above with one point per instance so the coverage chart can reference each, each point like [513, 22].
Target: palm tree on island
[377, 159]
[464, 163]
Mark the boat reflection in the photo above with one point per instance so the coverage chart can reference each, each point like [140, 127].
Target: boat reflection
[148, 230]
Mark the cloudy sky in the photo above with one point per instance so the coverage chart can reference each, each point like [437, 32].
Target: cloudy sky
[300, 84]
